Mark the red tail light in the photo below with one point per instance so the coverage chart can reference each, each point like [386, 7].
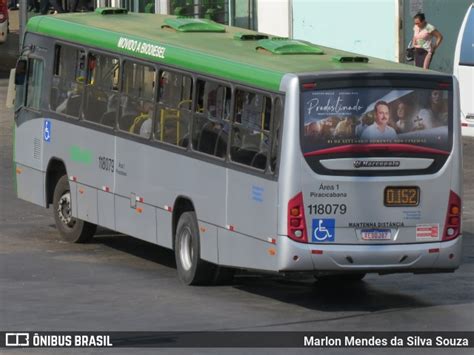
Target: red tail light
[296, 220]
[452, 228]
[3, 11]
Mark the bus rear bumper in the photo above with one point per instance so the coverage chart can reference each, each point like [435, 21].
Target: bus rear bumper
[420, 257]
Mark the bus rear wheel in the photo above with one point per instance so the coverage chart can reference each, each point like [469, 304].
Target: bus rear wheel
[71, 229]
[192, 270]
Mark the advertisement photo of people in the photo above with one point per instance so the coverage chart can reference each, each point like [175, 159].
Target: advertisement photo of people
[375, 116]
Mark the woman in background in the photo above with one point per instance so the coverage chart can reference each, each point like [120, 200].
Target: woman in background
[423, 34]
[403, 123]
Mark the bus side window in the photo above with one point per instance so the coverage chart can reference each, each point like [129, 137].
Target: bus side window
[137, 109]
[174, 108]
[277, 119]
[251, 129]
[212, 118]
[101, 96]
[68, 85]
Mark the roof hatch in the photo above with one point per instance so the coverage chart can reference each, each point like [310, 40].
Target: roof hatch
[111, 11]
[189, 24]
[278, 45]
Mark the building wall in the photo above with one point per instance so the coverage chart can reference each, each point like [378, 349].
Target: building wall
[274, 17]
[368, 27]
[161, 7]
[446, 16]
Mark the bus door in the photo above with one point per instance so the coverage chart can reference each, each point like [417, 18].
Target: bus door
[35, 132]
[379, 150]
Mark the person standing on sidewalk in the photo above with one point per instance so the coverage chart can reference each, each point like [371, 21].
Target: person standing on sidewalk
[34, 5]
[13, 5]
[423, 34]
[45, 4]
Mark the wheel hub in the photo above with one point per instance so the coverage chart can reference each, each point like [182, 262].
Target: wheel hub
[186, 251]
[64, 210]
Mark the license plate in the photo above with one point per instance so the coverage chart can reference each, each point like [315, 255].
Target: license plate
[376, 234]
[401, 196]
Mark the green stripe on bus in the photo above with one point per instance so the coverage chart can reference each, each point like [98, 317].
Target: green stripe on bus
[80, 155]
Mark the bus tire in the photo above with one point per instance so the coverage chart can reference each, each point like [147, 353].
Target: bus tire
[340, 278]
[192, 270]
[71, 229]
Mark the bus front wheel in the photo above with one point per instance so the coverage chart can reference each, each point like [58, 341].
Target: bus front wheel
[71, 229]
[192, 270]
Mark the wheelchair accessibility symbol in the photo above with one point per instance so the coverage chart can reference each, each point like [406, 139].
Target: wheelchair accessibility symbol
[323, 230]
[47, 131]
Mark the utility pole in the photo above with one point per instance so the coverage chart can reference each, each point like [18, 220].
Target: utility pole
[23, 18]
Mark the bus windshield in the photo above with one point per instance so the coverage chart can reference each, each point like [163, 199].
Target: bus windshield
[375, 115]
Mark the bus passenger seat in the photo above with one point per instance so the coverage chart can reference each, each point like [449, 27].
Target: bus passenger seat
[184, 142]
[54, 98]
[207, 141]
[221, 144]
[74, 105]
[259, 161]
[108, 118]
[244, 156]
[95, 109]
[126, 121]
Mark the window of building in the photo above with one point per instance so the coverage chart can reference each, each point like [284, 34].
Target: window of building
[216, 10]
[244, 14]
[237, 13]
[146, 6]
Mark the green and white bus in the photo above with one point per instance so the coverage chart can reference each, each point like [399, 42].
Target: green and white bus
[238, 149]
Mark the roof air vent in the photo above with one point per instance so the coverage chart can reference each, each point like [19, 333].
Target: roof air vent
[348, 59]
[241, 36]
[111, 11]
[189, 24]
[279, 45]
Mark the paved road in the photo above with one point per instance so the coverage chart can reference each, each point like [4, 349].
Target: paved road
[120, 283]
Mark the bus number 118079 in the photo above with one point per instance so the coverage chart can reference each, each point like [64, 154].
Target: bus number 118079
[334, 208]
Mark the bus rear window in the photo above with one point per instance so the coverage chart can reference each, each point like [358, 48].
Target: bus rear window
[375, 115]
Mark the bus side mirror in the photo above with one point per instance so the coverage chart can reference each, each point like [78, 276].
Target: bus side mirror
[20, 72]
